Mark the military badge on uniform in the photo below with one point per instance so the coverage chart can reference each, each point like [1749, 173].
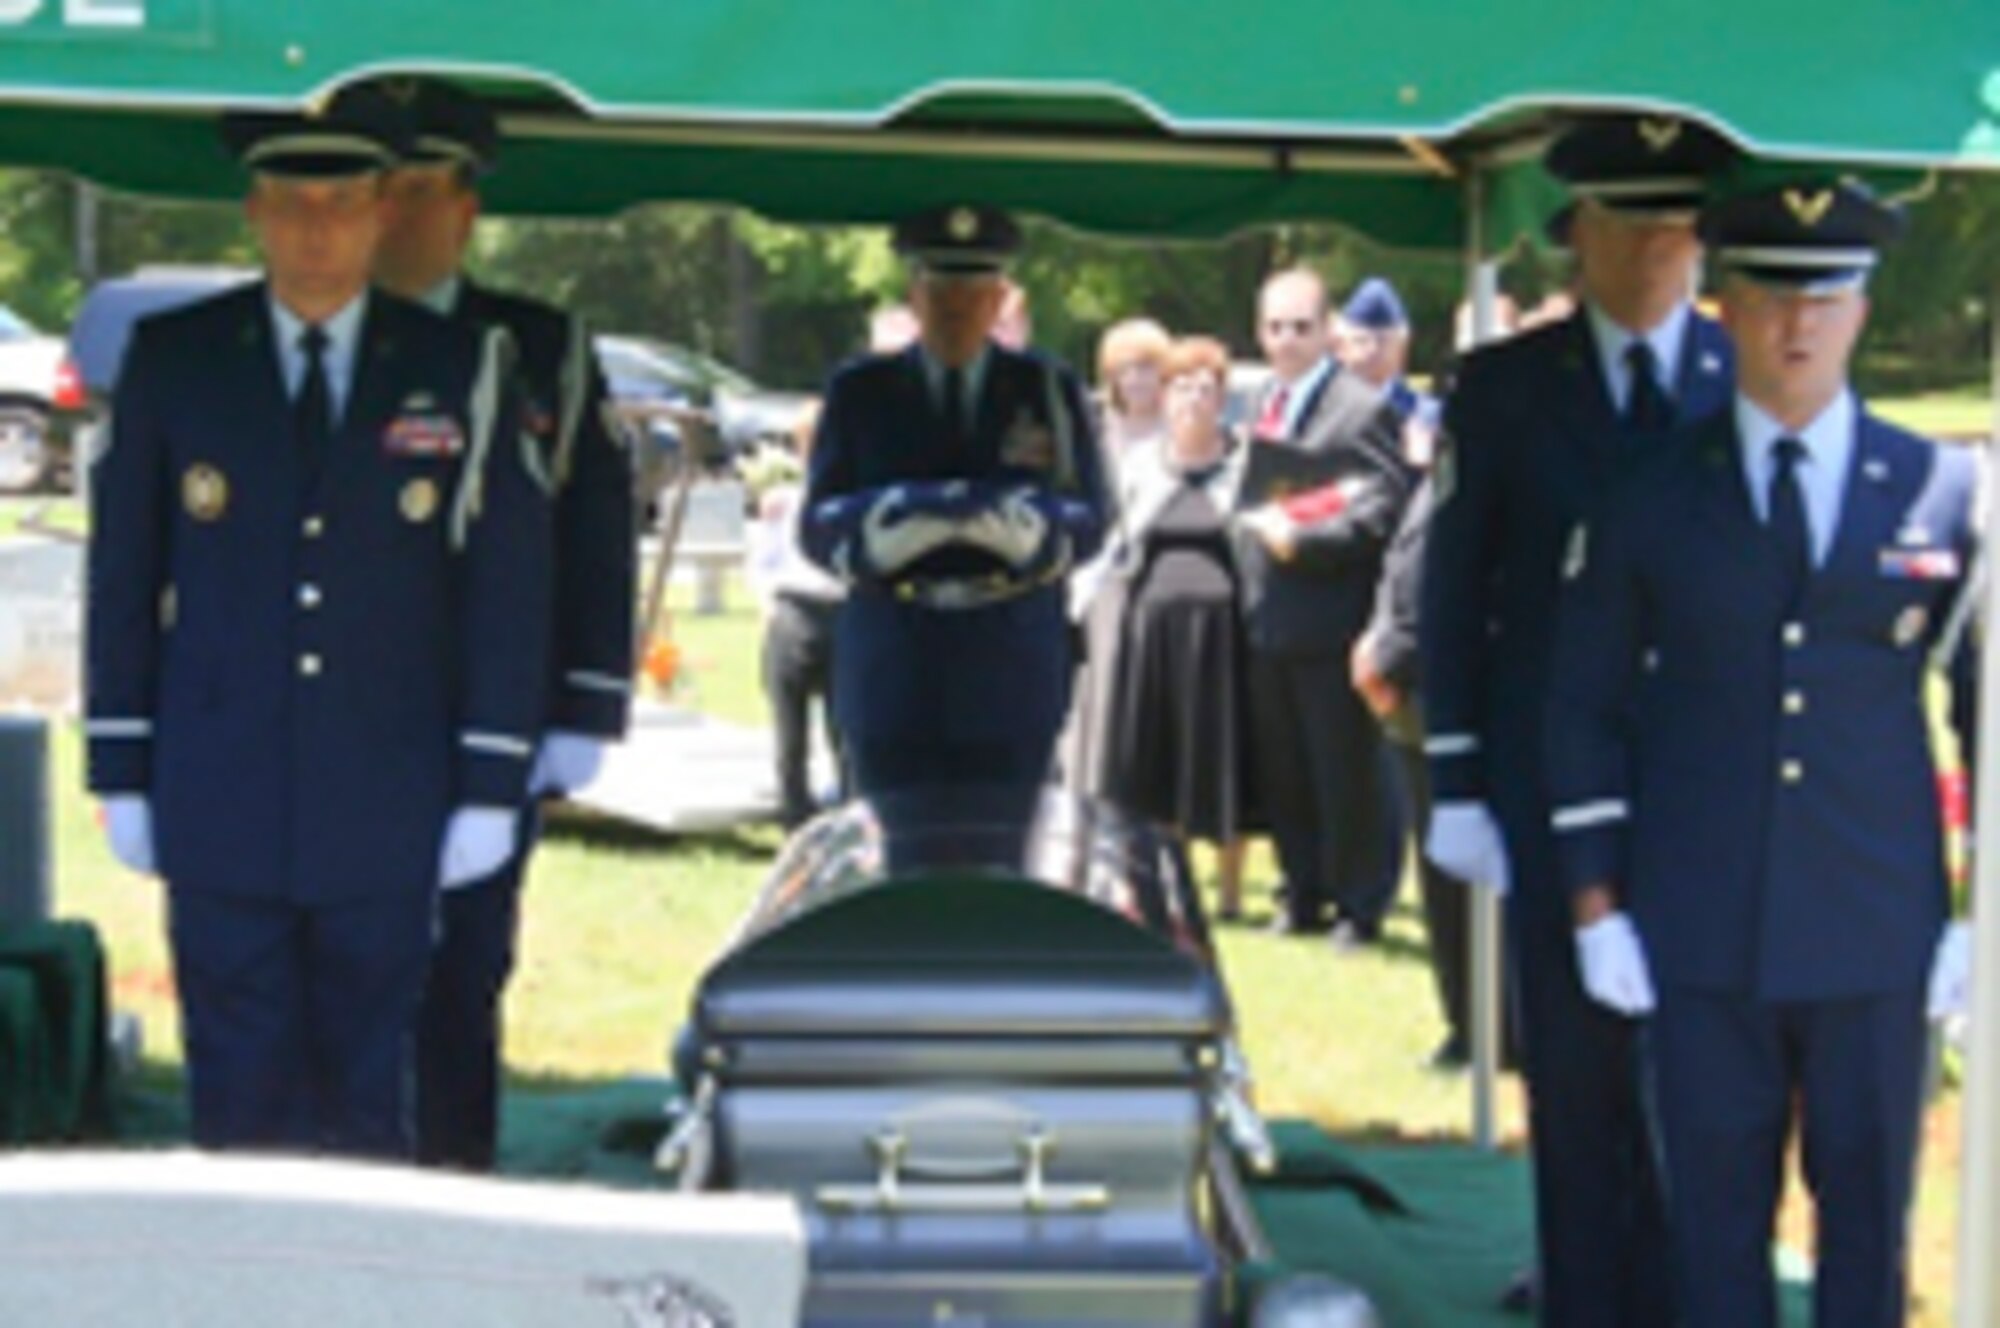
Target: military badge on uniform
[962, 224]
[1659, 134]
[1918, 564]
[1808, 209]
[419, 500]
[204, 493]
[1028, 444]
[425, 435]
[1910, 624]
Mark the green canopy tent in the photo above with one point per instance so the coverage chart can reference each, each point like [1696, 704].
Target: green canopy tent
[1415, 123]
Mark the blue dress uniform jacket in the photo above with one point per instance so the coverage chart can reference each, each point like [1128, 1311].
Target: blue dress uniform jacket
[1530, 439]
[307, 671]
[913, 675]
[584, 463]
[1758, 781]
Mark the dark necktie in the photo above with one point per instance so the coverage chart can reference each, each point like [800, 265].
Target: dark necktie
[1790, 534]
[312, 409]
[1647, 409]
[954, 410]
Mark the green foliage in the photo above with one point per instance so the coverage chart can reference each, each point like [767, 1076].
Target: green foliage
[786, 303]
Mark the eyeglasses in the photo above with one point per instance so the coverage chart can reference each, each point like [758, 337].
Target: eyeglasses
[1298, 327]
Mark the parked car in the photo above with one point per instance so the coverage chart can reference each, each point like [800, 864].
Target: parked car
[31, 445]
[664, 393]
[103, 328]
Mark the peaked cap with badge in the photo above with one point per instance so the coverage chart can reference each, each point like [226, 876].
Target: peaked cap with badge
[963, 239]
[1640, 166]
[346, 136]
[444, 124]
[1812, 233]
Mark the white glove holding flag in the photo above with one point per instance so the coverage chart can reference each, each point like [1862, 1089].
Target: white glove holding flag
[477, 842]
[1613, 965]
[1951, 973]
[893, 537]
[1465, 841]
[565, 763]
[128, 824]
[1012, 530]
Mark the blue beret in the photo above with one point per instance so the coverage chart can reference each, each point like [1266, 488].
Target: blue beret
[341, 139]
[1375, 305]
[962, 238]
[1815, 233]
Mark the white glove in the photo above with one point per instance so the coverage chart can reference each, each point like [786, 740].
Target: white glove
[477, 842]
[565, 763]
[1951, 973]
[1465, 841]
[1012, 529]
[894, 538]
[128, 824]
[1613, 965]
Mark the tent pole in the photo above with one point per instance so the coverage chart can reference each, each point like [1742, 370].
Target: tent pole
[1979, 1121]
[1482, 279]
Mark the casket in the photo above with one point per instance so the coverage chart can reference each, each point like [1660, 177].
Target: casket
[982, 1038]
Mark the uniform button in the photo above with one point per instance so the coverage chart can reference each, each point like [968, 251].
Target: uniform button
[309, 596]
[1792, 772]
[315, 526]
[1795, 703]
[309, 666]
[1795, 634]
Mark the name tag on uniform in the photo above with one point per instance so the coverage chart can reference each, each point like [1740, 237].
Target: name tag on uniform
[1919, 564]
[424, 436]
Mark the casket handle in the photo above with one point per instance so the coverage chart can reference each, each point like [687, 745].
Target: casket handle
[892, 1192]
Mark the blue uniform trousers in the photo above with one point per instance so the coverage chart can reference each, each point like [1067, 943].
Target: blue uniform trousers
[1600, 1217]
[1730, 1075]
[458, 1042]
[296, 1018]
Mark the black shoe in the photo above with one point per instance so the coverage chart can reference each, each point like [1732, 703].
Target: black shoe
[1452, 1055]
[1350, 934]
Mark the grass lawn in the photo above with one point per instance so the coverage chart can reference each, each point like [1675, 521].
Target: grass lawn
[620, 925]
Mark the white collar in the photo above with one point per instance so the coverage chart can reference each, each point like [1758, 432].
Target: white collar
[1665, 337]
[1828, 437]
[342, 329]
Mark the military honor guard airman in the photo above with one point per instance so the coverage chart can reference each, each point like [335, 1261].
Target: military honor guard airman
[576, 453]
[1745, 798]
[317, 645]
[1537, 426]
[952, 485]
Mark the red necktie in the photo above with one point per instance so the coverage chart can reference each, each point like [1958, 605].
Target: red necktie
[1271, 424]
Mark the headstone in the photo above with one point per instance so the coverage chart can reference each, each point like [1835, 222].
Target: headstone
[25, 822]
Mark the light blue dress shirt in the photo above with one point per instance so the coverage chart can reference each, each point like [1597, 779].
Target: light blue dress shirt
[1614, 340]
[343, 343]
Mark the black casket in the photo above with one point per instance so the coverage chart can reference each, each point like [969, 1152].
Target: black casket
[982, 1038]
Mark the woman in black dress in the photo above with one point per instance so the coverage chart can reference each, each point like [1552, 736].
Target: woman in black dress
[1171, 739]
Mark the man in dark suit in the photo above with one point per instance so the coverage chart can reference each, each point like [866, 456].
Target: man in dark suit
[1536, 426]
[1745, 802]
[580, 460]
[317, 646]
[1308, 587]
[951, 485]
